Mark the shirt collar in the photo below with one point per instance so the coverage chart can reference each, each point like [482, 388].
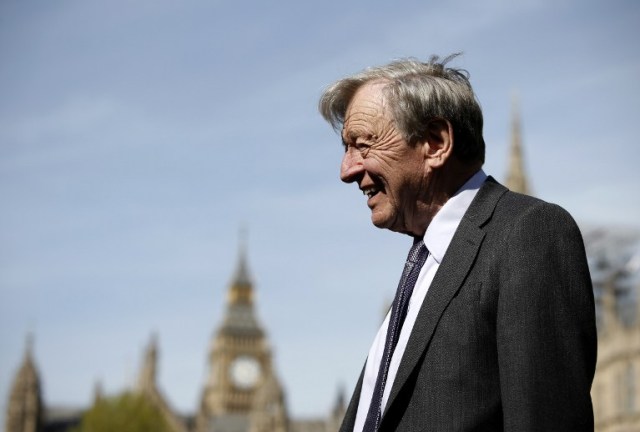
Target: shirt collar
[443, 226]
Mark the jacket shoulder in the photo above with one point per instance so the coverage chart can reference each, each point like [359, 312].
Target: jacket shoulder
[506, 205]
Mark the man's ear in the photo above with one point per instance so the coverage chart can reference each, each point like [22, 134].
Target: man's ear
[438, 142]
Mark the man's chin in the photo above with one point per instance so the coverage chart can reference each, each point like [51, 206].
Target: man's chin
[384, 221]
[390, 223]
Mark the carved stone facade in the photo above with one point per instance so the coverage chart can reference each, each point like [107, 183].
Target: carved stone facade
[615, 269]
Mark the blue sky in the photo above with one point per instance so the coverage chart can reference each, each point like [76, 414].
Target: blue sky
[136, 138]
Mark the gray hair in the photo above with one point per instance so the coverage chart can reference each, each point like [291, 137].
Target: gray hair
[417, 92]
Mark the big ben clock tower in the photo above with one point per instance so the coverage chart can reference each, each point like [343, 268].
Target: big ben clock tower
[240, 367]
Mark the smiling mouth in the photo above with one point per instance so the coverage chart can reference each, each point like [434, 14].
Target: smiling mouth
[370, 192]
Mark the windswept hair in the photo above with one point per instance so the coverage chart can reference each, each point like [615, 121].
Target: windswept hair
[417, 92]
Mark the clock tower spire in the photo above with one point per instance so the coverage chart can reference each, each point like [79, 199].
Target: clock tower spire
[240, 360]
[241, 288]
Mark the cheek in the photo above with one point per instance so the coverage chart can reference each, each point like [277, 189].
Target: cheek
[406, 185]
[380, 166]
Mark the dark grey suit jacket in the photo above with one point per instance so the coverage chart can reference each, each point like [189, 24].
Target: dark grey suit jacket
[506, 338]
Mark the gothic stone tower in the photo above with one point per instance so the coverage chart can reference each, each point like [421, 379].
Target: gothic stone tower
[516, 179]
[148, 388]
[25, 410]
[240, 368]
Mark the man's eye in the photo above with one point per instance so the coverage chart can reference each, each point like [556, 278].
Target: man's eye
[361, 147]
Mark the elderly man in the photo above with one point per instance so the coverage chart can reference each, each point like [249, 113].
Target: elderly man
[492, 327]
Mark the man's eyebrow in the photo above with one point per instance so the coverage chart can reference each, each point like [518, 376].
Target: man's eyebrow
[349, 136]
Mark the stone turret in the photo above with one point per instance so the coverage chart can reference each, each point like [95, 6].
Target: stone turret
[147, 377]
[98, 392]
[516, 179]
[25, 410]
[148, 388]
[339, 410]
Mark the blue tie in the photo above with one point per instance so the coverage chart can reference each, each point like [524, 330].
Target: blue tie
[417, 256]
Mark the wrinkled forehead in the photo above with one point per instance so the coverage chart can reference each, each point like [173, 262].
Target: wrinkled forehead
[367, 107]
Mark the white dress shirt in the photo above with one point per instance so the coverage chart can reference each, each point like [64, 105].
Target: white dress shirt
[437, 239]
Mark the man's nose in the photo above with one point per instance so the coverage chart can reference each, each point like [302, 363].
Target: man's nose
[352, 166]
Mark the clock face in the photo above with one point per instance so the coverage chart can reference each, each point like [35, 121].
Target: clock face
[245, 372]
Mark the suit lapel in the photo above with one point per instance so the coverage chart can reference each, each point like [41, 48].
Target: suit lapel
[455, 266]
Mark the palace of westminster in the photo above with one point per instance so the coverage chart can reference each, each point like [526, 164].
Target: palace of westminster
[243, 393]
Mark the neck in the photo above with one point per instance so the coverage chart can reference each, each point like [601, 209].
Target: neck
[444, 183]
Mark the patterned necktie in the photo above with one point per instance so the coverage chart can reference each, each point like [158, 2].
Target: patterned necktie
[417, 256]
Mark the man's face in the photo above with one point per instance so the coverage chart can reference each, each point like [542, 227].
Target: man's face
[391, 173]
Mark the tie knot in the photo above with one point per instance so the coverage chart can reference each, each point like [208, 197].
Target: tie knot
[417, 251]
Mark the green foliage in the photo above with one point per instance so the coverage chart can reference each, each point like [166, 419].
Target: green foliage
[125, 413]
